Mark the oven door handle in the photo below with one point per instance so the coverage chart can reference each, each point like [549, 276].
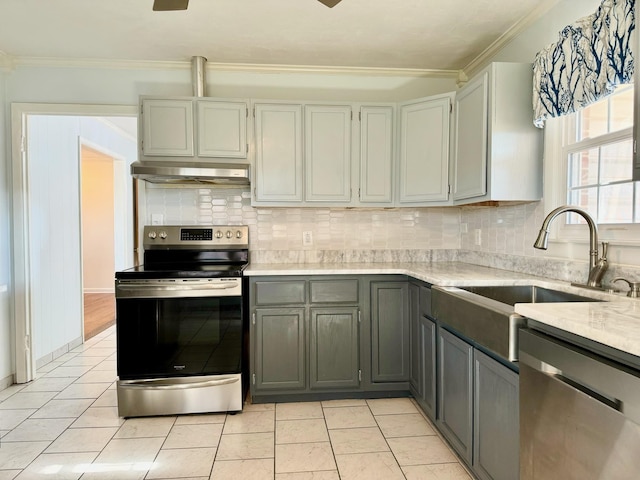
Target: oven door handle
[166, 384]
[171, 291]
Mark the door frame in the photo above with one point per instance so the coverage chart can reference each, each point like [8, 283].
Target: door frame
[25, 363]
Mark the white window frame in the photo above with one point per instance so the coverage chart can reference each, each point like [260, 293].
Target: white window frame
[555, 189]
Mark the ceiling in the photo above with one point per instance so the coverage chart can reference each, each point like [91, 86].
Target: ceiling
[408, 34]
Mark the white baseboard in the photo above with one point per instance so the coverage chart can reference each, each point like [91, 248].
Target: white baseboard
[6, 382]
[58, 352]
[99, 290]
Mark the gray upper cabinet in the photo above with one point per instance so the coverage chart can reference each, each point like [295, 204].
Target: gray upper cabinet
[333, 350]
[278, 174]
[496, 420]
[190, 128]
[376, 155]
[167, 127]
[424, 151]
[222, 128]
[327, 142]
[455, 403]
[498, 152]
[390, 351]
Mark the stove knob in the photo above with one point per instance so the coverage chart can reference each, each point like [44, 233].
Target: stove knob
[152, 235]
[163, 235]
[229, 234]
[238, 234]
[219, 234]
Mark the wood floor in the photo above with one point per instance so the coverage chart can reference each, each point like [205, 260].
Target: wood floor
[99, 313]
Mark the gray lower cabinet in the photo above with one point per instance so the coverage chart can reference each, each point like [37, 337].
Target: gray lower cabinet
[279, 346]
[427, 344]
[496, 420]
[423, 348]
[333, 350]
[390, 335]
[455, 381]
[478, 408]
[304, 336]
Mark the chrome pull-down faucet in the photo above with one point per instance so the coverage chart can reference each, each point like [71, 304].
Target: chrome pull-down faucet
[597, 266]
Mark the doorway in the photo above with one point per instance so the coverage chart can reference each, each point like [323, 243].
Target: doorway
[99, 244]
[47, 143]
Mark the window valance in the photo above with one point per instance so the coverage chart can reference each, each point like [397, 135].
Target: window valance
[591, 57]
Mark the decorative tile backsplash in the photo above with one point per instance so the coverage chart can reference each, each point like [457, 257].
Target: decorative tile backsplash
[331, 229]
[377, 235]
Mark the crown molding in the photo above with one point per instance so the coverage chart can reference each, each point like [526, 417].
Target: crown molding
[229, 67]
[6, 62]
[517, 28]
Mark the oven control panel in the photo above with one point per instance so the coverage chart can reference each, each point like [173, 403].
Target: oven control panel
[178, 236]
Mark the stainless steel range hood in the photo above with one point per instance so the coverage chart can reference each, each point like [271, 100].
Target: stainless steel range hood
[191, 173]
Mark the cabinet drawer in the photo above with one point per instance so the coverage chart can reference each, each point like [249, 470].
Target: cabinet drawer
[280, 293]
[334, 291]
[425, 301]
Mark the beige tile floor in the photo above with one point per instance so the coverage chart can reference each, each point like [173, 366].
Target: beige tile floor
[65, 426]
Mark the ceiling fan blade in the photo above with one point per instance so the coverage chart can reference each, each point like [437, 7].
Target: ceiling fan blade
[329, 3]
[169, 5]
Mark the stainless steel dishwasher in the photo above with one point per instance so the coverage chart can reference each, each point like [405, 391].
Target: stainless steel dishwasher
[579, 413]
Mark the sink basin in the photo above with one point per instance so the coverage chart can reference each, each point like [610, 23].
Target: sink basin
[486, 315]
[512, 294]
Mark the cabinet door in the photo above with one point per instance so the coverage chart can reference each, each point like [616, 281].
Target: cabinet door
[167, 127]
[333, 352]
[496, 420]
[424, 151]
[414, 344]
[278, 140]
[280, 348]
[222, 129]
[427, 346]
[390, 332]
[455, 375]
[470, 155]
[376, 155]
[327, 153]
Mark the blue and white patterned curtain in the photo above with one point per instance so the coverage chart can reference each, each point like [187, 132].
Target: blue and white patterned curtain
[591, 57]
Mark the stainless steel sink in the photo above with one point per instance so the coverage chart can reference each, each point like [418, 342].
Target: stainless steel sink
[486, 314]
[512, 294]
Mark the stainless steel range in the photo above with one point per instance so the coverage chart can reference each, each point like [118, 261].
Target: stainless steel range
[181, 323]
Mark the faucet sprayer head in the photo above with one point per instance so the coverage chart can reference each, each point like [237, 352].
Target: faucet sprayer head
[543, 240]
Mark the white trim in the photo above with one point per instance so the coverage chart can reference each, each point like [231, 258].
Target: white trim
[99, 290]
[501, 42]
[232, 67]
[6, 61]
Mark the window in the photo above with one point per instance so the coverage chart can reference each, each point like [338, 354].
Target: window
[597, 152]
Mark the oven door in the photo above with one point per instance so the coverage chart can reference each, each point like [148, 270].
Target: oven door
[178, 327]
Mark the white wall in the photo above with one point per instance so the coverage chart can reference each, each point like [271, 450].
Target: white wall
[6, 326]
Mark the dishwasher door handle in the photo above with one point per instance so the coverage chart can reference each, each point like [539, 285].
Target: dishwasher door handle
[612, 384]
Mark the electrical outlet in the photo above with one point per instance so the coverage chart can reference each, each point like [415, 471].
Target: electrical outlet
[464, 227]
[157, 219]
[307, 238]
[477, 236]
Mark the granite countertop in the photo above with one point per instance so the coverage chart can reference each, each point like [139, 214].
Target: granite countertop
[614, 322]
